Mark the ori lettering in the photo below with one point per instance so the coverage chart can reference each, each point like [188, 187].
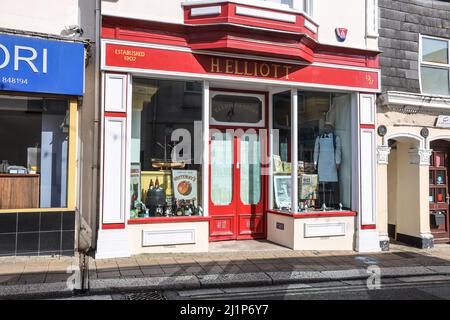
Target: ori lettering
[23, 56]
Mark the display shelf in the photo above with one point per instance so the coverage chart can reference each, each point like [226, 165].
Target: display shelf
[167, 220]
[315, 214]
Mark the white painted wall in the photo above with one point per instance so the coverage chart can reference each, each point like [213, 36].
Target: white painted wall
[329, 14]
[154, 10]
[46, 16]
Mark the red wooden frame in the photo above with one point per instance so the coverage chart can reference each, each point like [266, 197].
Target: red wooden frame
[236, 173]
[113, 226]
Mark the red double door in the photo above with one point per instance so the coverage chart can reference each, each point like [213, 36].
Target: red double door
[236, 185]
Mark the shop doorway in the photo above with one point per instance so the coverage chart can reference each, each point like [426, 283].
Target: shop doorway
[237, 180]
[439, 199]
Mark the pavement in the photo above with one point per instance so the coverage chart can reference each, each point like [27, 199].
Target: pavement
[258, 264]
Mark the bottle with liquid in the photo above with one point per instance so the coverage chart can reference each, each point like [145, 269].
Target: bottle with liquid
[150, 187]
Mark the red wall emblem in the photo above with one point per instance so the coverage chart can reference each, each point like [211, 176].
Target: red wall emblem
[341, 34]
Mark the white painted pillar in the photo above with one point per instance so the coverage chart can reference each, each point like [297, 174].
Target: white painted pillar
[113, 239]
[382, 196]
[368, 239]
[271, 151]
[294, 149]
[205, 154]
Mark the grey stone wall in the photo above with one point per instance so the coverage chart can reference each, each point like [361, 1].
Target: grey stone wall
[401, 22]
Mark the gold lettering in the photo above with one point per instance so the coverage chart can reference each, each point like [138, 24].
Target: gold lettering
[286, 68]
[228, 66]
[246, 73]
[267, 71]
[275, 69]
[255, 64]
[215, 65]
[236, 67]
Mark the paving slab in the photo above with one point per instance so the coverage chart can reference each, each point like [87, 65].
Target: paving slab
[405, 270]
[296, 276]
[425, 278]
[346, 274]
[230, 280]
[267, 288]
[156, 283]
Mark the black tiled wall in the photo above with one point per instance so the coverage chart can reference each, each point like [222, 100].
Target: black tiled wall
[37, 233]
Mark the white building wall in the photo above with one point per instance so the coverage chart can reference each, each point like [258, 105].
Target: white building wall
[45, 16]
[329, 14]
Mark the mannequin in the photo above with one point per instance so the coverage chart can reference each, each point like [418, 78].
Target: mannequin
[327, 160]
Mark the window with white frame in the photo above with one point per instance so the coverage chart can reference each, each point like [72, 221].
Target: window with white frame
[435, 65]
[304, 5]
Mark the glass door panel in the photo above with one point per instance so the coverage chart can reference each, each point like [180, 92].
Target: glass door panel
[250, 169]
[222, 154]
[440, 195]
[440, 177]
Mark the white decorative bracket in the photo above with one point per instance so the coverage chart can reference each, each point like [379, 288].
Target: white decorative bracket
[420, 156]
[383, 154]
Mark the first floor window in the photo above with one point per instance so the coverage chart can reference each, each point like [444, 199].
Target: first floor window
[34, 142]
[435, 66]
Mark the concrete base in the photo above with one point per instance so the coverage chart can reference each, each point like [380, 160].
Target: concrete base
[322, 233]
[113, 244]
[174, 237]
[384, 242]
[424, 241]
[367, 241]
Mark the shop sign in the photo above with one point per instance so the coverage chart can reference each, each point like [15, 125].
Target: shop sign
[185, 184]
[443, 121]
[126, 58]
[30, 64]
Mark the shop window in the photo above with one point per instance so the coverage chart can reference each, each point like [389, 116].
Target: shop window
[324, 151]
[305, 5]
[165, 168]
[34, 140]
[281, 161]
[222, 155]
[435, 66]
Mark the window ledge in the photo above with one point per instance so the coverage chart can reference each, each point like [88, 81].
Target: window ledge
[167, 220]
[421, 101]
[318, 214]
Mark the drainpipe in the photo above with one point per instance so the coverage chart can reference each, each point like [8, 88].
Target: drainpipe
[96, 148]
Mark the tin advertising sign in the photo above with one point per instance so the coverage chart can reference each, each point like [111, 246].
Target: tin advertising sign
[185, 184]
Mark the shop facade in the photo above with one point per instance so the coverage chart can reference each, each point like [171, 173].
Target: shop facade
[42, 79]
[214, 133]
[413, 135]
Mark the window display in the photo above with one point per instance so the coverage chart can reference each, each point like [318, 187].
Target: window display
[281, 157]
[34, 140]
[165, 179]
[324, 150]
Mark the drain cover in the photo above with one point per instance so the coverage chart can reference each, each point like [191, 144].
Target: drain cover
[147, 295]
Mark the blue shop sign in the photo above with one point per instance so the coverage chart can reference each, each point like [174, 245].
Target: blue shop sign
[38, 65]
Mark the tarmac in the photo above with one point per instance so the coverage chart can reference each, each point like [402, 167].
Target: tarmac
[248, 264]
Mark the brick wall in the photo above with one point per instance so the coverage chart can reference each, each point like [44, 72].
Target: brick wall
[401, 22]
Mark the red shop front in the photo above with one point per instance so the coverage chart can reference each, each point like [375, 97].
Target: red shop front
[210, 133]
